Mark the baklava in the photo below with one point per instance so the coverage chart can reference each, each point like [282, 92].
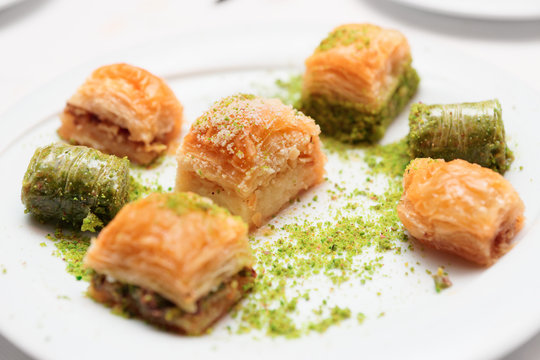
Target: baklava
[251, 155]
[175, 260]
[357, 81]
[468, 131]
[125, 111]
[75, 185]
[461, 208]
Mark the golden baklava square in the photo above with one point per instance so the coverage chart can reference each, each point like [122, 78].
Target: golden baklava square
[251, 155]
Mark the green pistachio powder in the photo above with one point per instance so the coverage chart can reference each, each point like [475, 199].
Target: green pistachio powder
[290, 257]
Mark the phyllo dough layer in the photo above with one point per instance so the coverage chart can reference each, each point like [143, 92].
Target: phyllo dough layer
[251, 155]
[178, 245]
[123, 110]
[460, 208]
[357, 81]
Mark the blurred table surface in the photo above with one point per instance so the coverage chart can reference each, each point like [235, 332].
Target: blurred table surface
[41, 39]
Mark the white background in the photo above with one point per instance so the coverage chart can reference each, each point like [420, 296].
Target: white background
[40, 39]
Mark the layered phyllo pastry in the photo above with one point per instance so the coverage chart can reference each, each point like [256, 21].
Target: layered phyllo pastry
[251, 155]
[175, 260]
[75, 185]
[468, 131]
[357, 81]
[123, 110]
[461, 208]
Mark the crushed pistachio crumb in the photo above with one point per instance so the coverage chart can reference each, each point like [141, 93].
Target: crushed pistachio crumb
[289, 90]
[345, 36]
[343, 150]
[91, 223]
[181, 202]
[441, 280]
[391, 159]
[138, 190]
[71, 247]
[336, 316]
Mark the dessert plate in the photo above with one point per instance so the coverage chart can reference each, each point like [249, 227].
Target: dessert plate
[484, 315]
[518, 10]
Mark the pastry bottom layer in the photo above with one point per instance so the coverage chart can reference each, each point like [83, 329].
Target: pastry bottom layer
[265, 201]
[155, 309]
[83, 128]
[349, 122]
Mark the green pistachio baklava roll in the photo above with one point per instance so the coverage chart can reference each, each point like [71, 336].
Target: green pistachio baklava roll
[75, 185]
[468, 131]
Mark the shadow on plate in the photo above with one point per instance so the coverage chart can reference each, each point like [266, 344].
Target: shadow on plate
[10, 351]
[527, 351]
[496, 30]
[13, 11]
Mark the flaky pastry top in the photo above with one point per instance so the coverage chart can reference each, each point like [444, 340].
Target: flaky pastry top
[456, 197]
[180, 245]
[243, 141]
[133, 99]
[358, 63]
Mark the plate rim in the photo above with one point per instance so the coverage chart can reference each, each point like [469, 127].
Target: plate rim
[434, 7]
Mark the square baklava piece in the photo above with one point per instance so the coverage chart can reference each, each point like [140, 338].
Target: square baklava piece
[357, 81]
[175, 260]
[123, 110]
[251, 155]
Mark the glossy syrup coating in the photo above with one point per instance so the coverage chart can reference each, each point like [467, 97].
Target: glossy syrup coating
[468, 131]
[251, 155]
[123, 110]
[72, 184]
[179, 245]
[461, 208]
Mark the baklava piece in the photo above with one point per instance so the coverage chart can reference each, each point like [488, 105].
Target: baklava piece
[357, 81]
[175, 260]
[468, 131]
[461, 208]
[75, 185]
[125, 111]
[251, 155]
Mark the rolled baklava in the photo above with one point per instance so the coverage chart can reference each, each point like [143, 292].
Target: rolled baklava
[125, 111]
[468, 131]
[251, 155]
[461, 208]
[357, 81]
[75, 185]
[175, 260]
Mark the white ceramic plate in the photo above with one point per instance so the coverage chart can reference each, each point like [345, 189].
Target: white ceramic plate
[481, 9]
[484, 315]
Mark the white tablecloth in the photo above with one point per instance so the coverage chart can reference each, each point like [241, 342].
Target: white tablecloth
[40, 39]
